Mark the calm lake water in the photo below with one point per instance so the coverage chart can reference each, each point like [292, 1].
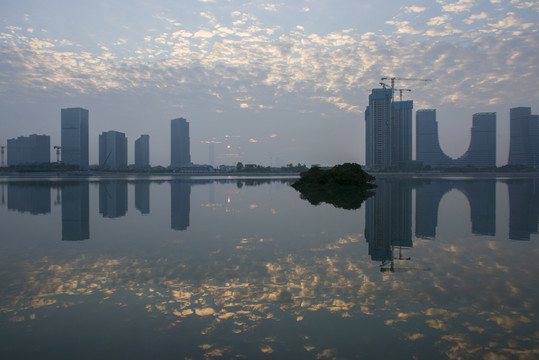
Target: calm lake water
[246, 268]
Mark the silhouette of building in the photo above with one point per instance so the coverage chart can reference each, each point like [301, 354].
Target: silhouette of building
[142, 151]
[75, 137]
[142, 196]
[75, 211]
[113, 198]
[482, 150]
[112, 150]
[180, 154]
[428, 150]
[401, 132]
[523, 208]
[34, 197]
[378, 137]
[524, 137]
[29, 150]
[180, 204]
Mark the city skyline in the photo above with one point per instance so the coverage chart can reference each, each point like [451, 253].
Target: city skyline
[274, 82]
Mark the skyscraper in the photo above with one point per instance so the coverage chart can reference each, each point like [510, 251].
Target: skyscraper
[524, 144]
[401, 132]
[378, 129]
[29, 149]
[75, 137]
[428, 149]
[180, 154]
[482, 150]
[112, 150]
[142, 151]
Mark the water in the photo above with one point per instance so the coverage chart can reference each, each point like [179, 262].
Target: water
[235, 268]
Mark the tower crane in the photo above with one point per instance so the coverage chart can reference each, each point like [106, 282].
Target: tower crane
[393, 78]
[57, 148]
[400, 92]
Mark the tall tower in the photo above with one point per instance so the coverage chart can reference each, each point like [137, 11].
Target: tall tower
[524, 130]
[112, 150]
[142, 151]
[401, 132]
[180, 154]
[428, 149]
[482, 150]
[75, 137]
[378, 129]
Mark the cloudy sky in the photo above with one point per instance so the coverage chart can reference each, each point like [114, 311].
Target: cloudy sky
[266, 82]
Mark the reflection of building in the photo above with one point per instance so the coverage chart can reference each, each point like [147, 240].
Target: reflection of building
[481, 196]
[142, 151]
[112, 150]
[524, 145]
[34, 197]
[428, 149]
[180, 154]
[180, 204]
[29, 149]
[75, 137]
[142, 196]
[388, 219]
[75, 211]
[481, 152]
[523, 208]
[113, 198]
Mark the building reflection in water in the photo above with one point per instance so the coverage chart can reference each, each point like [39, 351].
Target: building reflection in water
[142, 196]
[113, 198]
[523, 208]
[32, 197]
[180, 204]
[75, 210]
[481, 196]
[388, 222]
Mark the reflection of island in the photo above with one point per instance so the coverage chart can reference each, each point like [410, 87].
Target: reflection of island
[180, 204]
[388, 221]
[142, 196]
[75, 211]
[113, 198]
[523, 208]
[481, 195]
[34, 197]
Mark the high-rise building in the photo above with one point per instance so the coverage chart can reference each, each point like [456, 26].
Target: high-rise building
[401, 132]
[112, 150]
[75, 137]
[142, 151]
[378, 129]
[524, 143]
[482, 150]
[428, 149]
[180, 154]
[29, 150]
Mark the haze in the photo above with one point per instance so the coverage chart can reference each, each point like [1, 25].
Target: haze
[267, 83]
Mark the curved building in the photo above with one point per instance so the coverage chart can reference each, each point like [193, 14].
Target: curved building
[482, 150]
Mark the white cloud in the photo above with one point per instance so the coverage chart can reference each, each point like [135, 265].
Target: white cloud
[456, 7]
[438, 20]
[481, 16]
[414, 9]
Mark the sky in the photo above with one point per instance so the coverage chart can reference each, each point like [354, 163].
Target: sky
[268, 83]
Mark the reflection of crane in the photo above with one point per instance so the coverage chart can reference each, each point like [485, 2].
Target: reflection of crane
[57, 148]
[384, 267]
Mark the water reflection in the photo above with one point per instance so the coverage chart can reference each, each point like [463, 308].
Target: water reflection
[142, 196]
[523, 208]
[32, 197]
[75, 210]
[113, 198]
[180, 204]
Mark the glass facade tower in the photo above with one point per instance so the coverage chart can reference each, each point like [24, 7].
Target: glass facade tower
[75, 137]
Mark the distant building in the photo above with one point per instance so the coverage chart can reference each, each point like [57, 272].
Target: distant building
[524, 143]
[75, 137]
[428, 149]
[112, 150]
[378, 129]
[388, 127]
[180, 154]
[482, 150]
[142, 151]
[29, 150]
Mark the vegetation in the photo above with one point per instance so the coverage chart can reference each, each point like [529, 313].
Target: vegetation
[343, 186]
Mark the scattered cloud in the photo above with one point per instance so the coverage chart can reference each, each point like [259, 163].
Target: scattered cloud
[414, 9]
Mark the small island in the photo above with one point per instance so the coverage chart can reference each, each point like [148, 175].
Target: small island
[343, 186]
